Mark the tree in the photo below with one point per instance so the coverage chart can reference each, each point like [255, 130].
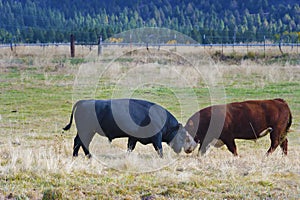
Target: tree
[54, 20]
[195, 34]
[29, 35]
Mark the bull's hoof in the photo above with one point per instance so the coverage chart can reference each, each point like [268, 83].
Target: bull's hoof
[89, 156]
[201, 153]
[160, 153]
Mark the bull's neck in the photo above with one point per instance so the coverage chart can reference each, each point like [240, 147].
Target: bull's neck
[171, 134]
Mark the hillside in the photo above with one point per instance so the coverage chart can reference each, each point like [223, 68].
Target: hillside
[206, 21]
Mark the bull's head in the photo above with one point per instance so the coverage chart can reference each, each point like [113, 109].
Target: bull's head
[182, 139]
[190, 143]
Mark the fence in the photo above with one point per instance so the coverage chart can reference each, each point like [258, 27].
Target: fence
[247, 47]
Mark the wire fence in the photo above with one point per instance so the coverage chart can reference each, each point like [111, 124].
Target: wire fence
[283, 48]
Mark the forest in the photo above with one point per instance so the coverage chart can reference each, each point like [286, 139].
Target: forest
[206, 21]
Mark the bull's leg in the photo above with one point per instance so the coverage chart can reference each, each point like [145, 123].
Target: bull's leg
[158, 148]
[231, 146]
[131, 144]
[275, 141]
[202, 149]
[284, 146]
[86, 151]
[204, 146]
[77, 144]
[160, 153]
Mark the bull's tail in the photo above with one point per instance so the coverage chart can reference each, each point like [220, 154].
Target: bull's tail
[290, 114]
[289, 122]
[71, 118]
[70, 123]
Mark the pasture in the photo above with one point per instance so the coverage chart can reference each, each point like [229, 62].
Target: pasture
[38, 86]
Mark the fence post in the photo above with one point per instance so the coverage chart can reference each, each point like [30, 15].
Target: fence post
[222, 48]
[72, 38]
[264, 46]
[11, 46]
[280, 45]
[175, 38]
[247, 47]
[100, 46]
[234, 38]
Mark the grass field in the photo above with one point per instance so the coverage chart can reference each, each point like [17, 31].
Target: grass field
[38, 87]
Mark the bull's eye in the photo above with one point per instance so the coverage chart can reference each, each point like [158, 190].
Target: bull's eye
[187, 139]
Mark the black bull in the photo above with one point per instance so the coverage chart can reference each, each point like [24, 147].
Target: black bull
[139, 120]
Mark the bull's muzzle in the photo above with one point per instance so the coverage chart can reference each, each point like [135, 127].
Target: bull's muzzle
[190, 144]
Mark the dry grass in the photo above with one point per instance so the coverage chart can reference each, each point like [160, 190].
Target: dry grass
[37, 91]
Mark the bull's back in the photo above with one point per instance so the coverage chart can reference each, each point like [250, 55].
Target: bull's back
[124, 117]
[245, 120]
[249, 118]
[108, 111]
[271, 111]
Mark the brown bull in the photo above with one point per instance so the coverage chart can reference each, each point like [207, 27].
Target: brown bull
[248, 120]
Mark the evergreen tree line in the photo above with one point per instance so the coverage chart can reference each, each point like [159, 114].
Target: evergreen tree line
[206, 21]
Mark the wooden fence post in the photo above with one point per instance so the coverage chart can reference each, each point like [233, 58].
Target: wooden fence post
[72, 38]
[11, 46]
[280, 45]
[264, 46]
[100, 46]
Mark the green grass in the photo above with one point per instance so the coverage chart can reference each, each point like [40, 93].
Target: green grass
[36, 157]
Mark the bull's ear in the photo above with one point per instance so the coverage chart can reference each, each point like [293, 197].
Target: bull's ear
[187, 138]
[180, 125]
[191, 123]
